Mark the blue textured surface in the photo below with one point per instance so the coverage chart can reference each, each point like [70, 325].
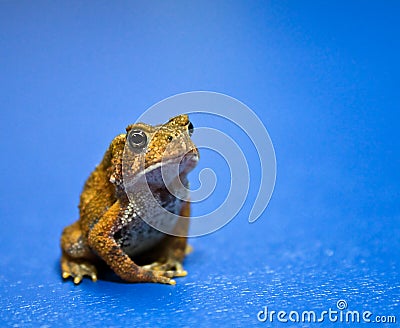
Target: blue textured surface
[324, 78]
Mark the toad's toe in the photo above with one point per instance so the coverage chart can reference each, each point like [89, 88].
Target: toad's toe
[171, 268]
[77, 269]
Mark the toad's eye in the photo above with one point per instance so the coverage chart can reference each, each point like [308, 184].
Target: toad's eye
[190, 128]
[137, 139]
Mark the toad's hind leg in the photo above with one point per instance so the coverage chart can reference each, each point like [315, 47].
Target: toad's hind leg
[76, 257]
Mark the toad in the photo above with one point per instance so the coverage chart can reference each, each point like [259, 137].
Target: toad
[140, 183]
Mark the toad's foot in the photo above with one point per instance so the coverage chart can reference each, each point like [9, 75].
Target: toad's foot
[172, 268]
[77, 269]
[163, 277]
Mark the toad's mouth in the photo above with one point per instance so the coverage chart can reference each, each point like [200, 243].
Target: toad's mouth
[167, 170]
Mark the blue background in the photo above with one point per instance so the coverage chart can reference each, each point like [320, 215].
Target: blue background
[324, 79]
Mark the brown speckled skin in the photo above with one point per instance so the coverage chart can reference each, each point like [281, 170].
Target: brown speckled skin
[104, 202]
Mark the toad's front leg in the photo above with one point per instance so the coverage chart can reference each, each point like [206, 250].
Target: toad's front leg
[101, 240]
